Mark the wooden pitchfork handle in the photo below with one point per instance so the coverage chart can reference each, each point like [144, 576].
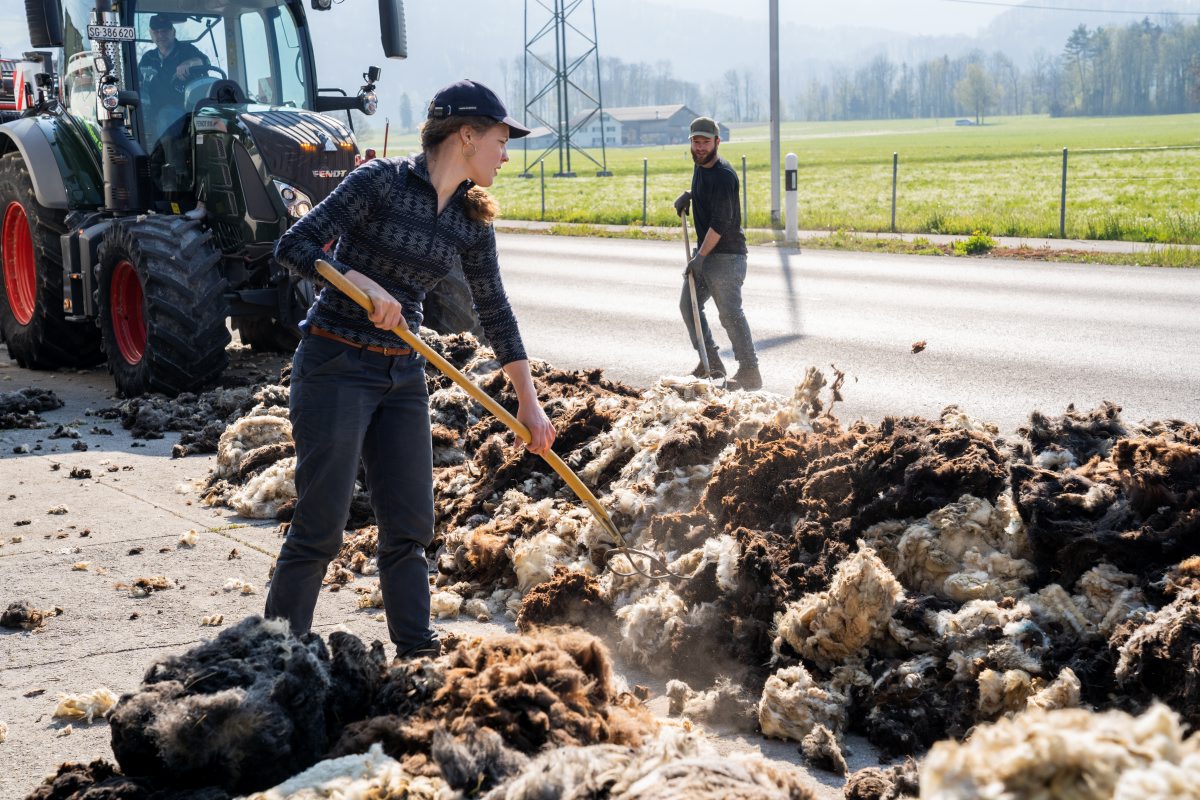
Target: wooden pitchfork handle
[657, 568]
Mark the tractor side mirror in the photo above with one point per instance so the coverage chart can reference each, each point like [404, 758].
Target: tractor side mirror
[391, 28]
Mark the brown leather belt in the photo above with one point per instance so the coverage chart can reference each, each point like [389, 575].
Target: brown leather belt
[374, 348]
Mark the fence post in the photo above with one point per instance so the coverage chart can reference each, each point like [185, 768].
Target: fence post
[542, 170]
[895, 173]
[791, 188]
[745, 205]
[1062, 207]
[645, 181]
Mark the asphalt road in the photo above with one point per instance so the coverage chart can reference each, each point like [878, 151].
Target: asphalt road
[1003, 337]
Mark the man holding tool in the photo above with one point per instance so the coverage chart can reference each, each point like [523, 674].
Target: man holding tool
[718, 267]
[357, 389]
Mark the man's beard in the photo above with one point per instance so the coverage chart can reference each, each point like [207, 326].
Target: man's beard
[712, 156]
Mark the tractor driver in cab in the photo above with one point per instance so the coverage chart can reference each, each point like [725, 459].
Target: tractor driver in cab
[164, 71]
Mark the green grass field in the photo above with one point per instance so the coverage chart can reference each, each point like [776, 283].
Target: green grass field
[1129, 178]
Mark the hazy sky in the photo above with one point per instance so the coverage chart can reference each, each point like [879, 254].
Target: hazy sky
[908, 16]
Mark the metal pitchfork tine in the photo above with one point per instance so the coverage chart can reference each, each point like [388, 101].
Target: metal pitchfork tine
[657, 569]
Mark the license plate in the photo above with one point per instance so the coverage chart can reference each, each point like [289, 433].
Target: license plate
[111, 33]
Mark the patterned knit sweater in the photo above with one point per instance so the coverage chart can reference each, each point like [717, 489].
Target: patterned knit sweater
[384, 217]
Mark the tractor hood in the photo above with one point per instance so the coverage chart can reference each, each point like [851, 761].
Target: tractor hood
[312, 152]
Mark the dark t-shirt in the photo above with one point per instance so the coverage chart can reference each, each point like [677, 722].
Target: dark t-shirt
[716, 204]
[158, 73]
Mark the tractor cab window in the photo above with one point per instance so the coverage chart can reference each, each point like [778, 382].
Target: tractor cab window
[178, 56]
[79, 86]
[273, 61]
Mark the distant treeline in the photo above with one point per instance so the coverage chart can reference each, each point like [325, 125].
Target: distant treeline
[1143, 68]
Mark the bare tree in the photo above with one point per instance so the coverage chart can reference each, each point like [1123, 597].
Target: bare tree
[975, 91]
[733, 94]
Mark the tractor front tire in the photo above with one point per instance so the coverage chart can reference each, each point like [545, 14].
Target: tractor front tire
[35, 327]
[162, 306]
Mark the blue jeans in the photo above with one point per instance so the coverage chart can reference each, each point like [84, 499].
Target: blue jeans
[721, 278]
[348, 404]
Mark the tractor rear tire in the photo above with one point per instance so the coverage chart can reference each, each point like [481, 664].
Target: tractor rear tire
[266, 335]
[450, 308]
[34, 325]
[162, 306]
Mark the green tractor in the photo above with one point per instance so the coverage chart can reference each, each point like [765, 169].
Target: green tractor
[142, 193]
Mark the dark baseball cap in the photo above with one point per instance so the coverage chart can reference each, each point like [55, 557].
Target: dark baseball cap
[160, 22]
[705, 126]
[467, 98]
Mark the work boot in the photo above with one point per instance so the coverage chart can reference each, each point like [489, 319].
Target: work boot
[715, 368]
[747, 377]
[429, 649]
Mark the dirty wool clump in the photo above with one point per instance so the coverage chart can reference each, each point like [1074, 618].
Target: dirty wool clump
[673, 764]
[20, 409]
[725, 704]
[20, 615]
[100, 780]
[152, 416]
[580, 405]
[1134, 502]
[1068, 753]
[553, 688]
[368, 775]
[569, 598]
[896, 782]
[1161, 658]
[245, 710]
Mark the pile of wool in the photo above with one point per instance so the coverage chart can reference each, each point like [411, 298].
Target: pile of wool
[202, 415]
[673, 764]
[20, 409]
[245, 710]
[1068, 754]
[793, 506]
[552, 688]
[581, 406]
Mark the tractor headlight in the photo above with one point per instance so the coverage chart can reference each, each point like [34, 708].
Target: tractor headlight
[368, 102]
[109, 95]
[297, 202]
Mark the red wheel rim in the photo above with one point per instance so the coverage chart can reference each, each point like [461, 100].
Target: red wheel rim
[125, 303]
[20, 269]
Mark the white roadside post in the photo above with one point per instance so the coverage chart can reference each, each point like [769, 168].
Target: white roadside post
[791, 187]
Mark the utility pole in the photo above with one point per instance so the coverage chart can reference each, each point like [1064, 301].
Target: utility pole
[774, 13]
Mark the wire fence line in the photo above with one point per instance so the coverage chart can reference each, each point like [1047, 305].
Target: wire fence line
[1129, 193]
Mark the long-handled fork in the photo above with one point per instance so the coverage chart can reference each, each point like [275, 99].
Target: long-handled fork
[656, 568]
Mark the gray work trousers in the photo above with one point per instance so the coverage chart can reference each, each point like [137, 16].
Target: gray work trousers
[349, 404]
[721, 278]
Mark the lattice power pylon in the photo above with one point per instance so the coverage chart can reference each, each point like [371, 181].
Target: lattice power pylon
[558, 94]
